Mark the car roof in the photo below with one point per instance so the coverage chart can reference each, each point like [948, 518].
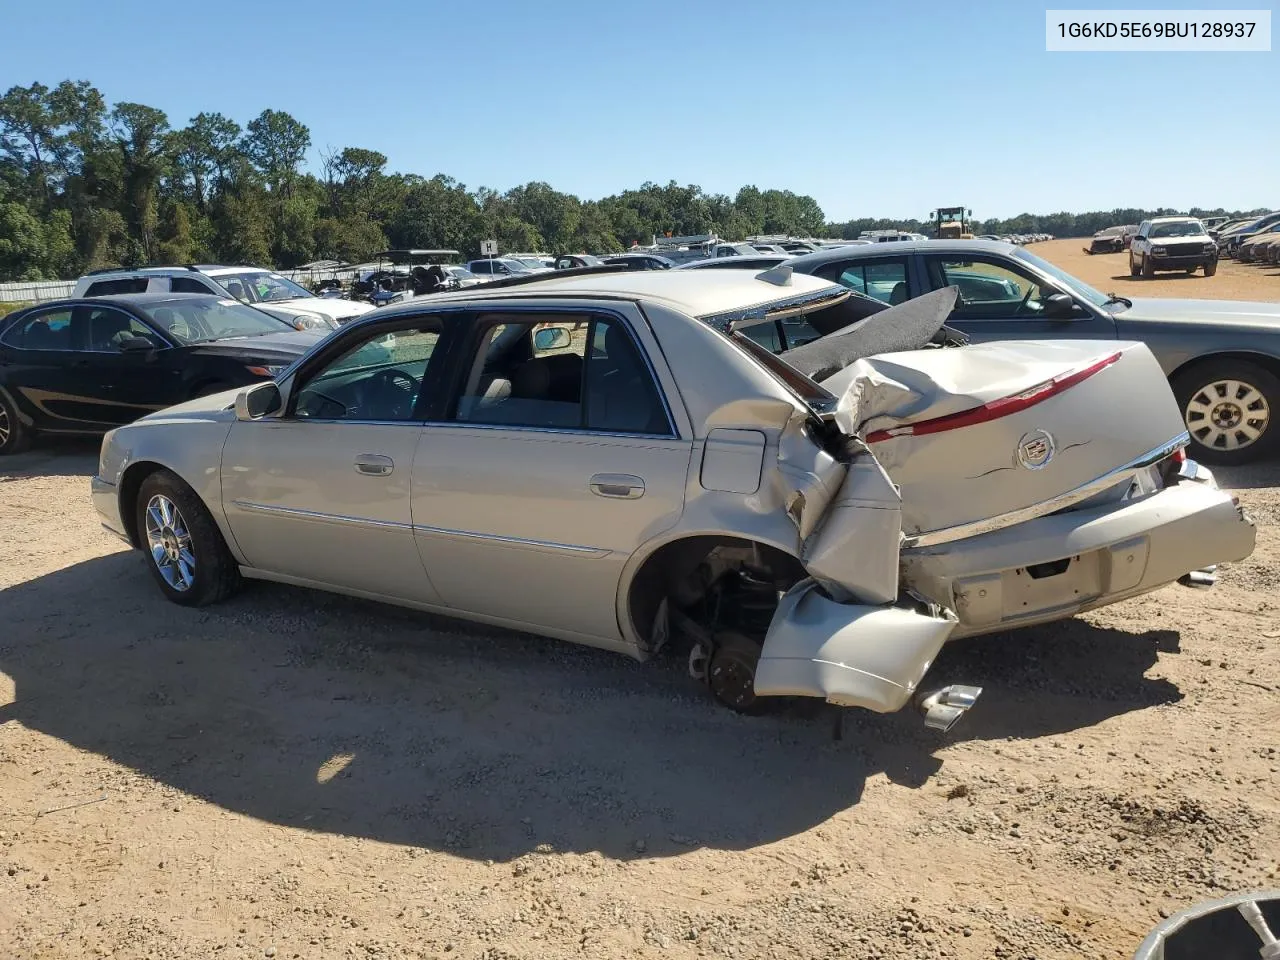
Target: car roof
[1172, 219]
[125, 300]
[697, 293]
[900, 247]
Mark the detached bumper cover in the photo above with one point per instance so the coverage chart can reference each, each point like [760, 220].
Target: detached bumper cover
[1059, 565]
[849, 654]
[106, 501]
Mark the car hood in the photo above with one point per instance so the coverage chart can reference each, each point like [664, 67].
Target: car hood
[215, 406]
[335, 308]
[1212, 312]
[285, 346]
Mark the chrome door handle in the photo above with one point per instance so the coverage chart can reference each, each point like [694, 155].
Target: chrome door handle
[374, 465]
[621, 486]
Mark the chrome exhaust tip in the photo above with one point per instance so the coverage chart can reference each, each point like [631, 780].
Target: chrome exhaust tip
[1200, 579]
[942, 709]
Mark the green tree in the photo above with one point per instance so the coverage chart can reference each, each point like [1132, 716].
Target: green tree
[140, 134]
[276, 143]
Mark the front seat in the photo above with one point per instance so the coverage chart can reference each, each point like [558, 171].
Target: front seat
[109, 328]
[898, 294]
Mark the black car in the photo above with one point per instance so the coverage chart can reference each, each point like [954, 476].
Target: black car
[85, 366]
[569, 261]
[640, 261]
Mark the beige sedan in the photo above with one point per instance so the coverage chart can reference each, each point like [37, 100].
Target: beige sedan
[621, 460]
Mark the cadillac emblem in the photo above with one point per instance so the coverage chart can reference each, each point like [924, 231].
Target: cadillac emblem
[1035, 449]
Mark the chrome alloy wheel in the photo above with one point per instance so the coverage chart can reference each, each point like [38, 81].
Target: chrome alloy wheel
[169, 541]
[1227, 414]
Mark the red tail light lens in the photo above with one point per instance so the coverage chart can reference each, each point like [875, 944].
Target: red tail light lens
[1180, 456]
[995, 409]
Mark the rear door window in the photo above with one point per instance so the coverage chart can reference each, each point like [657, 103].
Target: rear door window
[188, 285]
[43, 330]
[884, 279]
[108, 288]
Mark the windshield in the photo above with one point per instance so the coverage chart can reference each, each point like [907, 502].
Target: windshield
[1074, 284]
[199, 320]
[462, 273]
[531, 262]
[258, 286]
[1182, 228]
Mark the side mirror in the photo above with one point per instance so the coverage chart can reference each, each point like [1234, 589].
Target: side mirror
[552, 338]
[1059, 306]
[137, 345]
[259, 401]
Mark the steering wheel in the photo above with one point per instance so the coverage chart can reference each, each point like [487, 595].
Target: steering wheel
[396, 389]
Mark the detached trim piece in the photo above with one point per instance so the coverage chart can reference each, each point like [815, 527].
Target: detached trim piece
[1003, 407]
[1052, 505]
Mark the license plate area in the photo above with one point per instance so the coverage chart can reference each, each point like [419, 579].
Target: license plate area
[1028, 591]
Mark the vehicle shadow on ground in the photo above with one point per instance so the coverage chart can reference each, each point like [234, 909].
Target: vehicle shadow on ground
[1248, 476]
[1181, 275]
[53, 457]
[330, 714]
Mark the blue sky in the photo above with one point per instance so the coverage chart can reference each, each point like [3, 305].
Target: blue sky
[874, 108]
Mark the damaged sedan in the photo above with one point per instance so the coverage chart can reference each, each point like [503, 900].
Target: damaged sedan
[610, 459]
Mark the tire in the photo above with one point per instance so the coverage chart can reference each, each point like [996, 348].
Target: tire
[1148, 271]
[1211, 268]
[1133, 267]
[1222, 403]
[731, 673]
[14, 435]
[209, 573]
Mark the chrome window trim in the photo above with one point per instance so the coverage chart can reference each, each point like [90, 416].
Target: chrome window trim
[580, 432]
[1083, 492]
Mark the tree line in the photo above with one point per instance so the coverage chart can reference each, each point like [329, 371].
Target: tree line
[84, 185]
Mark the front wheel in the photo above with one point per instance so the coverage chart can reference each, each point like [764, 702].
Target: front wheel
[1148, 271]
[1211, 268]
[1133, 267]
[184, 548]
[1227, 406]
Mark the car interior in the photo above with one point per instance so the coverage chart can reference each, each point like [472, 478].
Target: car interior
[378, 380]
[539, 375]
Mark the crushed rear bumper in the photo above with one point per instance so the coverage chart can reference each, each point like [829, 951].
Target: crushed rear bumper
[1056, 566]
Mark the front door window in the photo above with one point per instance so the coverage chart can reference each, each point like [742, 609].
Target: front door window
[379, 377]
[989, 290]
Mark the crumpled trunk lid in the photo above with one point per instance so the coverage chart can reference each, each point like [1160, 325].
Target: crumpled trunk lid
[974, 433]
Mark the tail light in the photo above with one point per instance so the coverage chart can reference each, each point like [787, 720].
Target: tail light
[995, 409]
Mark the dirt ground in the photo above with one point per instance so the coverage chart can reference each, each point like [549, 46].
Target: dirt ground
[297, 775]
[1109, 272]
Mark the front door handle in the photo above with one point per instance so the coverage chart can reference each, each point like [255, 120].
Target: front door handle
[621, 486]
[374, 465]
